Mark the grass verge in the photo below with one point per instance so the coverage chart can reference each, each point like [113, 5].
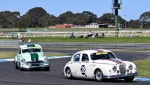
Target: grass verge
[143, 67]
[91, 40]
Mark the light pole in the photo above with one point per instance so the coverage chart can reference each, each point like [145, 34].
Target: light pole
[125, 22]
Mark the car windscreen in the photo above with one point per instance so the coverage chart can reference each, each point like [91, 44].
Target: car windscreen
[105, 55]
[30, 50]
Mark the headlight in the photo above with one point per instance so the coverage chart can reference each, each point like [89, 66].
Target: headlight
[46, 59]
[23, 60]
[114, 68]
[130, 67]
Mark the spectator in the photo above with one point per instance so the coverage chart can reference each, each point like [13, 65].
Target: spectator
[72, 35]
[81, 36]
[23, 39]
[96, 35]
[90, 34]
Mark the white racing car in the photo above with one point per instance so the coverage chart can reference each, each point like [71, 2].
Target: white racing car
[31, 56]
[99, 64]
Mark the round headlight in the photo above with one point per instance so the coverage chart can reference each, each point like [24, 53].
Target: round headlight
[130, 67]
[23, 60]
[114, 68]
[46, 59]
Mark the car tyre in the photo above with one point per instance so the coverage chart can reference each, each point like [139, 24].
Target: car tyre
[129, 79]
[68, 73]
[21, 69]
[99, 75]
[16, 65]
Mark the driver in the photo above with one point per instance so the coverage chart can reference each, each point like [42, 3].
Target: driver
[84, 58]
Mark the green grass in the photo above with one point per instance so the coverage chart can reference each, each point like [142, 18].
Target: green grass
[7, 55]
[92, 40]
[143, 67]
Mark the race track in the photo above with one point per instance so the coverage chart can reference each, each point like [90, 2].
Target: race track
[11, 76]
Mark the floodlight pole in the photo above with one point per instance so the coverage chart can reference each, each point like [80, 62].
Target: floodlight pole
[116, 6]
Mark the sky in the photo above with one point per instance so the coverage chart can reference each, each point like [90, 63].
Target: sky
[131, 9]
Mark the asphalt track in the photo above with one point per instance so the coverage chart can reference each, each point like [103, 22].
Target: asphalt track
[11, 76]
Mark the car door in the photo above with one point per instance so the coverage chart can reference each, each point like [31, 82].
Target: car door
[84, 66]
[74, 64]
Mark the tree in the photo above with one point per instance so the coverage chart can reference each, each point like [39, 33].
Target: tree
[145, 19]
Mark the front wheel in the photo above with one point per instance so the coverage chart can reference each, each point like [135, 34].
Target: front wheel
[16, 65]
[99, 75]
[129, 79]
[68, 73]
[21, 69]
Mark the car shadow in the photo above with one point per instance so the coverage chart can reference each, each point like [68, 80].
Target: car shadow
[105, 81]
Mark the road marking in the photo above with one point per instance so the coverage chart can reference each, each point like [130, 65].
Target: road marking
[141, 79]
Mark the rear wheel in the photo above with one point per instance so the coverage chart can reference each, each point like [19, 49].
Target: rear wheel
[129, 79]
[68, 73]
[99, 75]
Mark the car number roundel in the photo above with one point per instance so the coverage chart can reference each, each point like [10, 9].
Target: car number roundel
[83, 70]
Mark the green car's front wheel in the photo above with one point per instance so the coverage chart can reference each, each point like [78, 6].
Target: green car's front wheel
[21, 69]
[16, 65]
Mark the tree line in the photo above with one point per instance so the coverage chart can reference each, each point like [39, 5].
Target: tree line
[38, 17]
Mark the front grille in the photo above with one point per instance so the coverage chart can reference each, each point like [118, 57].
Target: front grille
[34, 63]
[122, 69]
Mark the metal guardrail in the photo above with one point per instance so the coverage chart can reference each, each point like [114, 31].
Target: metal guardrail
[79, 45]
[9, 43]
[83, 45]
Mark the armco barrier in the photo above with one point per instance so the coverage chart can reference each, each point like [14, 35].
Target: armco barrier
[84, 45]
[9, 43]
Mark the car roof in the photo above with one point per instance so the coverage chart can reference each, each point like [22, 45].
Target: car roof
[30, 45]
[93, 51]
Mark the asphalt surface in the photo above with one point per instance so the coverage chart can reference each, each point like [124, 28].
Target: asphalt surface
[11, 76]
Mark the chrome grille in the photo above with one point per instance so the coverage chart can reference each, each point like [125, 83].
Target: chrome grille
[122, 69]
[34, 63]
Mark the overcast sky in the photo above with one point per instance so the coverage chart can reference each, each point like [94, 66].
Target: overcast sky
[131, 9]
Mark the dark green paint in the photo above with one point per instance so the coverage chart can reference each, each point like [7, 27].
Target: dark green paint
[31, 45]
[34, 56]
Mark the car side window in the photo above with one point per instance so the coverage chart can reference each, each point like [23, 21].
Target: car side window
[85, 57]
[76, 58]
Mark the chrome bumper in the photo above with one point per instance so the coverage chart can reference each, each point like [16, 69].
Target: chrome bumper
[120, 76]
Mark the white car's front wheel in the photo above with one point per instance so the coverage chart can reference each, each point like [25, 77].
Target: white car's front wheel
[129, 79]
[99, 75]
[68, 73]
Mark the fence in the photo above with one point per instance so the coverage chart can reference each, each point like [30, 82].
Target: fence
[78, 33]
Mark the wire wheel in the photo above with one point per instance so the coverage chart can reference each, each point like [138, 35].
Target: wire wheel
[68, 73]
[99, 75]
